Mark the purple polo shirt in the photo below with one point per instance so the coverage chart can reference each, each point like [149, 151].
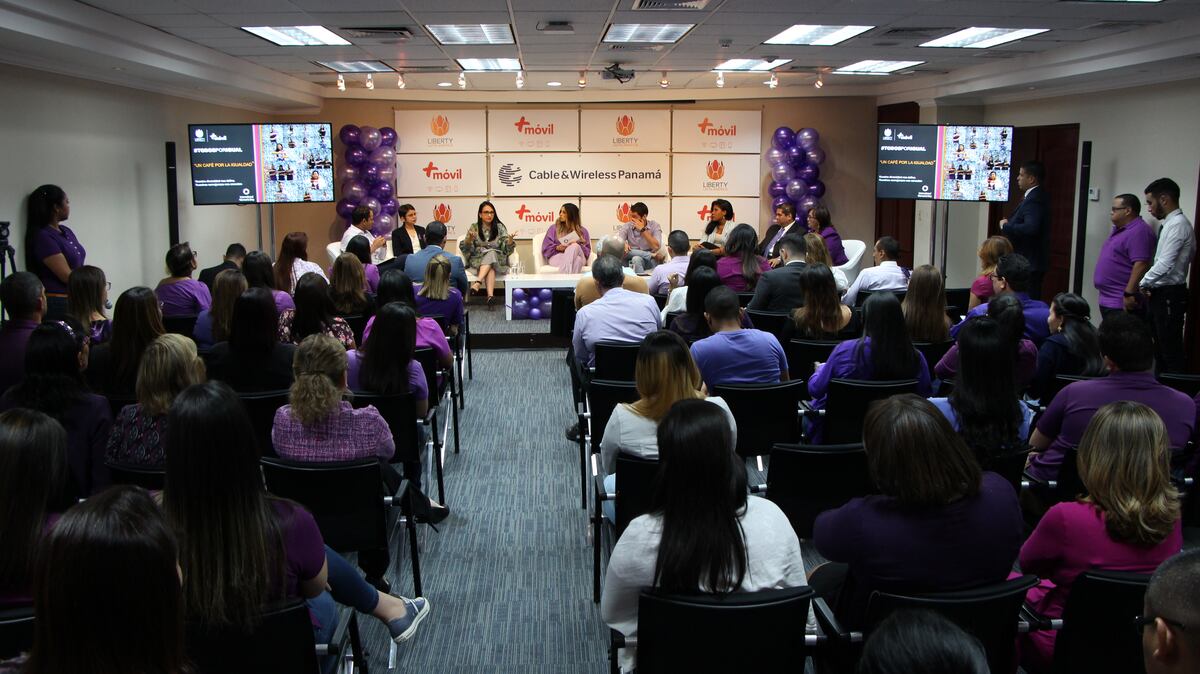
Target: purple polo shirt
[14, 337]
[833, 241]
[49, 242]
[418, 385]
[1135, 242]
[1036, 312]
[1071, 410]
[450, 309]
[183, 298]
[660, 278]
[739, 357]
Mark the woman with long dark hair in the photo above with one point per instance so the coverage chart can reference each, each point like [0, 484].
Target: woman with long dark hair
[360, 248]
[51, 249]
[691, 325]
[486, 249]
[714, 232]
[741, 266]
[213, 324]
[137, 321]
[1006, 310]
[823, 315]
[53, 384]
[314, 314]
[819, 222]
[395, 286]
[33, 479]
[702, 532]
[677, 299]
[925, 306]
[179, 293]
[293, 262]
[260, 273]
[1073, 347]
[253, 359]
[567, 243]
[87, 293]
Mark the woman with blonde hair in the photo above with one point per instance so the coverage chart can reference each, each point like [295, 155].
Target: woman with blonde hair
[925, 306]
[437, 297]
[818, 253]
[87, 292]
[990, 251]
[212, 325]
[1129, 521]
[347, 286]
[168, 366]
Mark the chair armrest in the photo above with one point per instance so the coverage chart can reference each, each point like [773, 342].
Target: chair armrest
[1037, 621]
[1031, 480]
[828, 623]
[602, 495]
[400, 495]
[758, 488]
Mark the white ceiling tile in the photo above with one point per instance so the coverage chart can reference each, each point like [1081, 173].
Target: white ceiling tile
[176, 20]
[265, 19]
[141, 6]
[346, 5]
[241, 6]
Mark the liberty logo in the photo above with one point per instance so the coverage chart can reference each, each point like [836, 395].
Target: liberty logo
[529, 128]
[887, 134]
[625, 125]
[510, 175]
[441, 213]
[434, 173]
[623, 213]
[704, 212]
[439, 125]
[707, 128]
[715, 169]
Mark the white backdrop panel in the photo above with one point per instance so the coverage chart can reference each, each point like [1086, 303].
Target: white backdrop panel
[691, 214]
[591, 174]
[605, 215]
[424, 131]
[433, 175]
[457, 213]
[527, 217]
[716, 175]
[717, 131]
[530, 130]
[625, 130]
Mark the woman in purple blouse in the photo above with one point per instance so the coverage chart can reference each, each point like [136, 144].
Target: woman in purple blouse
[819, 222]
[741, 266]
[261, 274]
[179, 293]
[438, 298]
[87, 295]
[51, 249]
[567, 245]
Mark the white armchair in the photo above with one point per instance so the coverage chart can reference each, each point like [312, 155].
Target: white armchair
[854, 254]
[513, 258]
[333, 250]
[540, 265]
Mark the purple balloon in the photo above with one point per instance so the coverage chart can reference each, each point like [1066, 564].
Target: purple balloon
[369, 138]
[535, 314]
[807, 204]
[816, 189]
[546, 294]
[370, 173]
[520, 308]
[816, 155]
[534, 301]
[809, 173]
[783, 137]
[519, 294]
[349, 134]
[387, 173]
[779, 201]
[384, 223]
[355, 155]
[382, 156]
[373, 204]
[388, 137]
[775, 156]
[796, 189]
[807, 138]
[795, 155]
[383, 191]
[783, 172]
[354, 190]
[345, 207]
[347, 172]
[777, 189]
[389, 205]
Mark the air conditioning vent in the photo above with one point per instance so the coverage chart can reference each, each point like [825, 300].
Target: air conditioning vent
[626, 47]
[1119, 26]
[379, 32]
[916, 32]
[659, 5]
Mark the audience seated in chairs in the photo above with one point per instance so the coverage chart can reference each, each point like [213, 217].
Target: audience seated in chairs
[887, 274]
[212, 325]
[54, 360]
[438, 298]
[925, 306]
[1170, 606]
[24, 300]
[1012, 277]
[260, 273]
[34, 482]
[293, 262]
[240, 548]
[586, 290]
[435, 238]
[348, 287]
[741, 266]
[235, 255]
[115, 548]
[703, 531]
[990, 251]
[691, 324]
[985, 406]
[87, 293]
[677, 299]
[660, 279]
[1124, 341]
[179, 293]
[779, 289]
[314, 314]
[1005, 310]
[819, 254]
[137, 321]
[734, 354]
[252, 359]
[619, 315]
[1072, 348]
[169, 365]
[938, 524]
[822, 315]
[395, 286]
[665, 375]
[360, 248]
[911, 642]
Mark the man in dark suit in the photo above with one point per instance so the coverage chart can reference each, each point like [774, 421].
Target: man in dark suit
[234, 255]
[785, 223]
[435, 236]
[1029, 225]
[779, 289]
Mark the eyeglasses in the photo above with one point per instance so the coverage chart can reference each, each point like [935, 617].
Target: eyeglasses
[1144, 621]
[1119, 208]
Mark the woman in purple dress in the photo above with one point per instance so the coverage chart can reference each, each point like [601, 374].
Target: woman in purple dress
[179, 293]
[51, 249]
[819, 222]
[567, 244]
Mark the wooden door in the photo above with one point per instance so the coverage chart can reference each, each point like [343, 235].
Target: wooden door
[1190, 342]
[896, 217]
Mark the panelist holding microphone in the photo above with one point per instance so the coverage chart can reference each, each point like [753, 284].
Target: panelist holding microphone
[1029, 225]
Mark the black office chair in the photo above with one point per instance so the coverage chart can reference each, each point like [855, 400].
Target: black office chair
[141, 476]
[180, 325]
[616, 361]
[441, 387]
[16, 631]
[671, 316]
[358, 324]
[766, 414]
[846, 406]
[283, 641]
[707, 633]
[456, 341]
[116, 403]
[635, 482]
[1096, 632]
[562, 318]
[959, 299]
[861, 298]
[1066, 486]
[400, 412]
[602, 398]
[806, 480]
[1185, 383]
[933, 352]
[1009, 465]
[802, 353]
[261, 408]
[769, 321]
[1060, 382]
[744, 298]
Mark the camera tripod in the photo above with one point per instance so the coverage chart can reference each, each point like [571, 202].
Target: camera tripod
[8, 257]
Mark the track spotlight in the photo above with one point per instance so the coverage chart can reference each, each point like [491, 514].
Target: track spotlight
[664, 82]
[400, 81]
[582, 79]
[462, 80]
[370, 82]
[819, 83]
[720, 80]
[773, 82]
[341, 83]
[520, 79]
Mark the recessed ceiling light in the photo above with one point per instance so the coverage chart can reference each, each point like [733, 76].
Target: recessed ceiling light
[817, 35]
[472, 33]
[751, 64]
[356, 66]
[445, 84]
[871, 67]
[982, 38]
[490, 64]
[554, 83]
[661, 33]
[297, 36]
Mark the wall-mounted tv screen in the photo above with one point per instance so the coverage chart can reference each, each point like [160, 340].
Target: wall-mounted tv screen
[261, 163]
[958, 162]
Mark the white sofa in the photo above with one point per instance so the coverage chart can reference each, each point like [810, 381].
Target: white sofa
[854, 254]
[540, 265]
[513, 258]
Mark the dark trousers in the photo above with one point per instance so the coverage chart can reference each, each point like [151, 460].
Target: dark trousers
[1035, 283]
[1167, 307]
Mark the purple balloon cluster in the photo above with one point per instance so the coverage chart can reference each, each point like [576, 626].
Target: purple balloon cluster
[795, 159]
[367, 176]
[532, 303]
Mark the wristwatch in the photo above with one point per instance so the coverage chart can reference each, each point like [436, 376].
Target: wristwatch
[1130, 294]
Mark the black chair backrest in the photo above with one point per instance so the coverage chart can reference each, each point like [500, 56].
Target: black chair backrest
[1187, 383]
[933, 352]
[958, 299]
[769, 321]
[671, 316]
[1010, 466]
[703, 633]
[16, 631]
[439, 319]
[1070, 485]
[115, 403]
[766, 414]
[428, 360]
[1060, 382]
[141, 476]
[744, 298]
[806, 480]
[562, 319]
[847, 402]
[603, 397]
[400, 412]
[180, 325]
[358, 323]
[990, 613]
[616, 361]
[635, 482]
[1098, 633]
[261, 408]
[344, 497]
[282, 642]
[802, 353]
[861, 298]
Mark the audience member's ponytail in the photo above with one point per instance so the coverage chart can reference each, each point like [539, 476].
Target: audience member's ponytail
[1077, 328]
[39, 211]
[320, 370]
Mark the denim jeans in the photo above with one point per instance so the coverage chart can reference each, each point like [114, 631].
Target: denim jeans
[640, 260]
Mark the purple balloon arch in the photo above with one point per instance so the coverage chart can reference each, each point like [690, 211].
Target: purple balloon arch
[368, 176]
[795, 159]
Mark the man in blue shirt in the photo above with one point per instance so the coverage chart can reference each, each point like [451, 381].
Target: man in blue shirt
[733, 354]
[435, 236]
[1012, 276]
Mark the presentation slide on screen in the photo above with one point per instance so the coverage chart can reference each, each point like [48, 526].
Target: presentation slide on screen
[261, 163]
[952, 163]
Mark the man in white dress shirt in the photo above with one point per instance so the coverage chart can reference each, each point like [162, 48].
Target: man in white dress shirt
[1166, 282]
[887, 274]
[361, 221]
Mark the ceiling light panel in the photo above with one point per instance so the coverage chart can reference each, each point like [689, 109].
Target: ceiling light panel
[872, 67]
[503, 64]
[982, 38]
[297, 36]
[356, 66]
[658, 33]
[751, 64]
[817, 35]
[471, 33]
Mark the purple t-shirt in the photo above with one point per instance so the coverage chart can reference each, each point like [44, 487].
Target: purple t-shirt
[729, 268]
[843, 364]
[14, 337]
[833, 241]
[417, 384]
[1135, 242]
[183, 298]
[49, 242]
[1036, 312]
[303, 546]
[1027, 356]
[429, 334]
[1069, 413]
[739, 357]
[450, 308]
[283, 301]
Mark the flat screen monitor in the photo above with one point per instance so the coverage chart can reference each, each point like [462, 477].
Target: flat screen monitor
[957, 162]
[261, 163]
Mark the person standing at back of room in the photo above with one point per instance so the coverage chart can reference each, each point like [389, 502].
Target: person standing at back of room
[1166, 281]
[51, 249]
[1029, 225]
[1125, 258]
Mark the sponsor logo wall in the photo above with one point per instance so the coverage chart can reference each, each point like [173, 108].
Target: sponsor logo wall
[526, 218]
[587, 174]
[424, 131]
[605, 215]
[430, 175]
[457, 213]
[691, 214]
[716, 175]
[625, 131]
[716, 131]
[533, 130]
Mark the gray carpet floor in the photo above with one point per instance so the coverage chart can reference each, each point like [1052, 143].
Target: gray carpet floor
[509, 575]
